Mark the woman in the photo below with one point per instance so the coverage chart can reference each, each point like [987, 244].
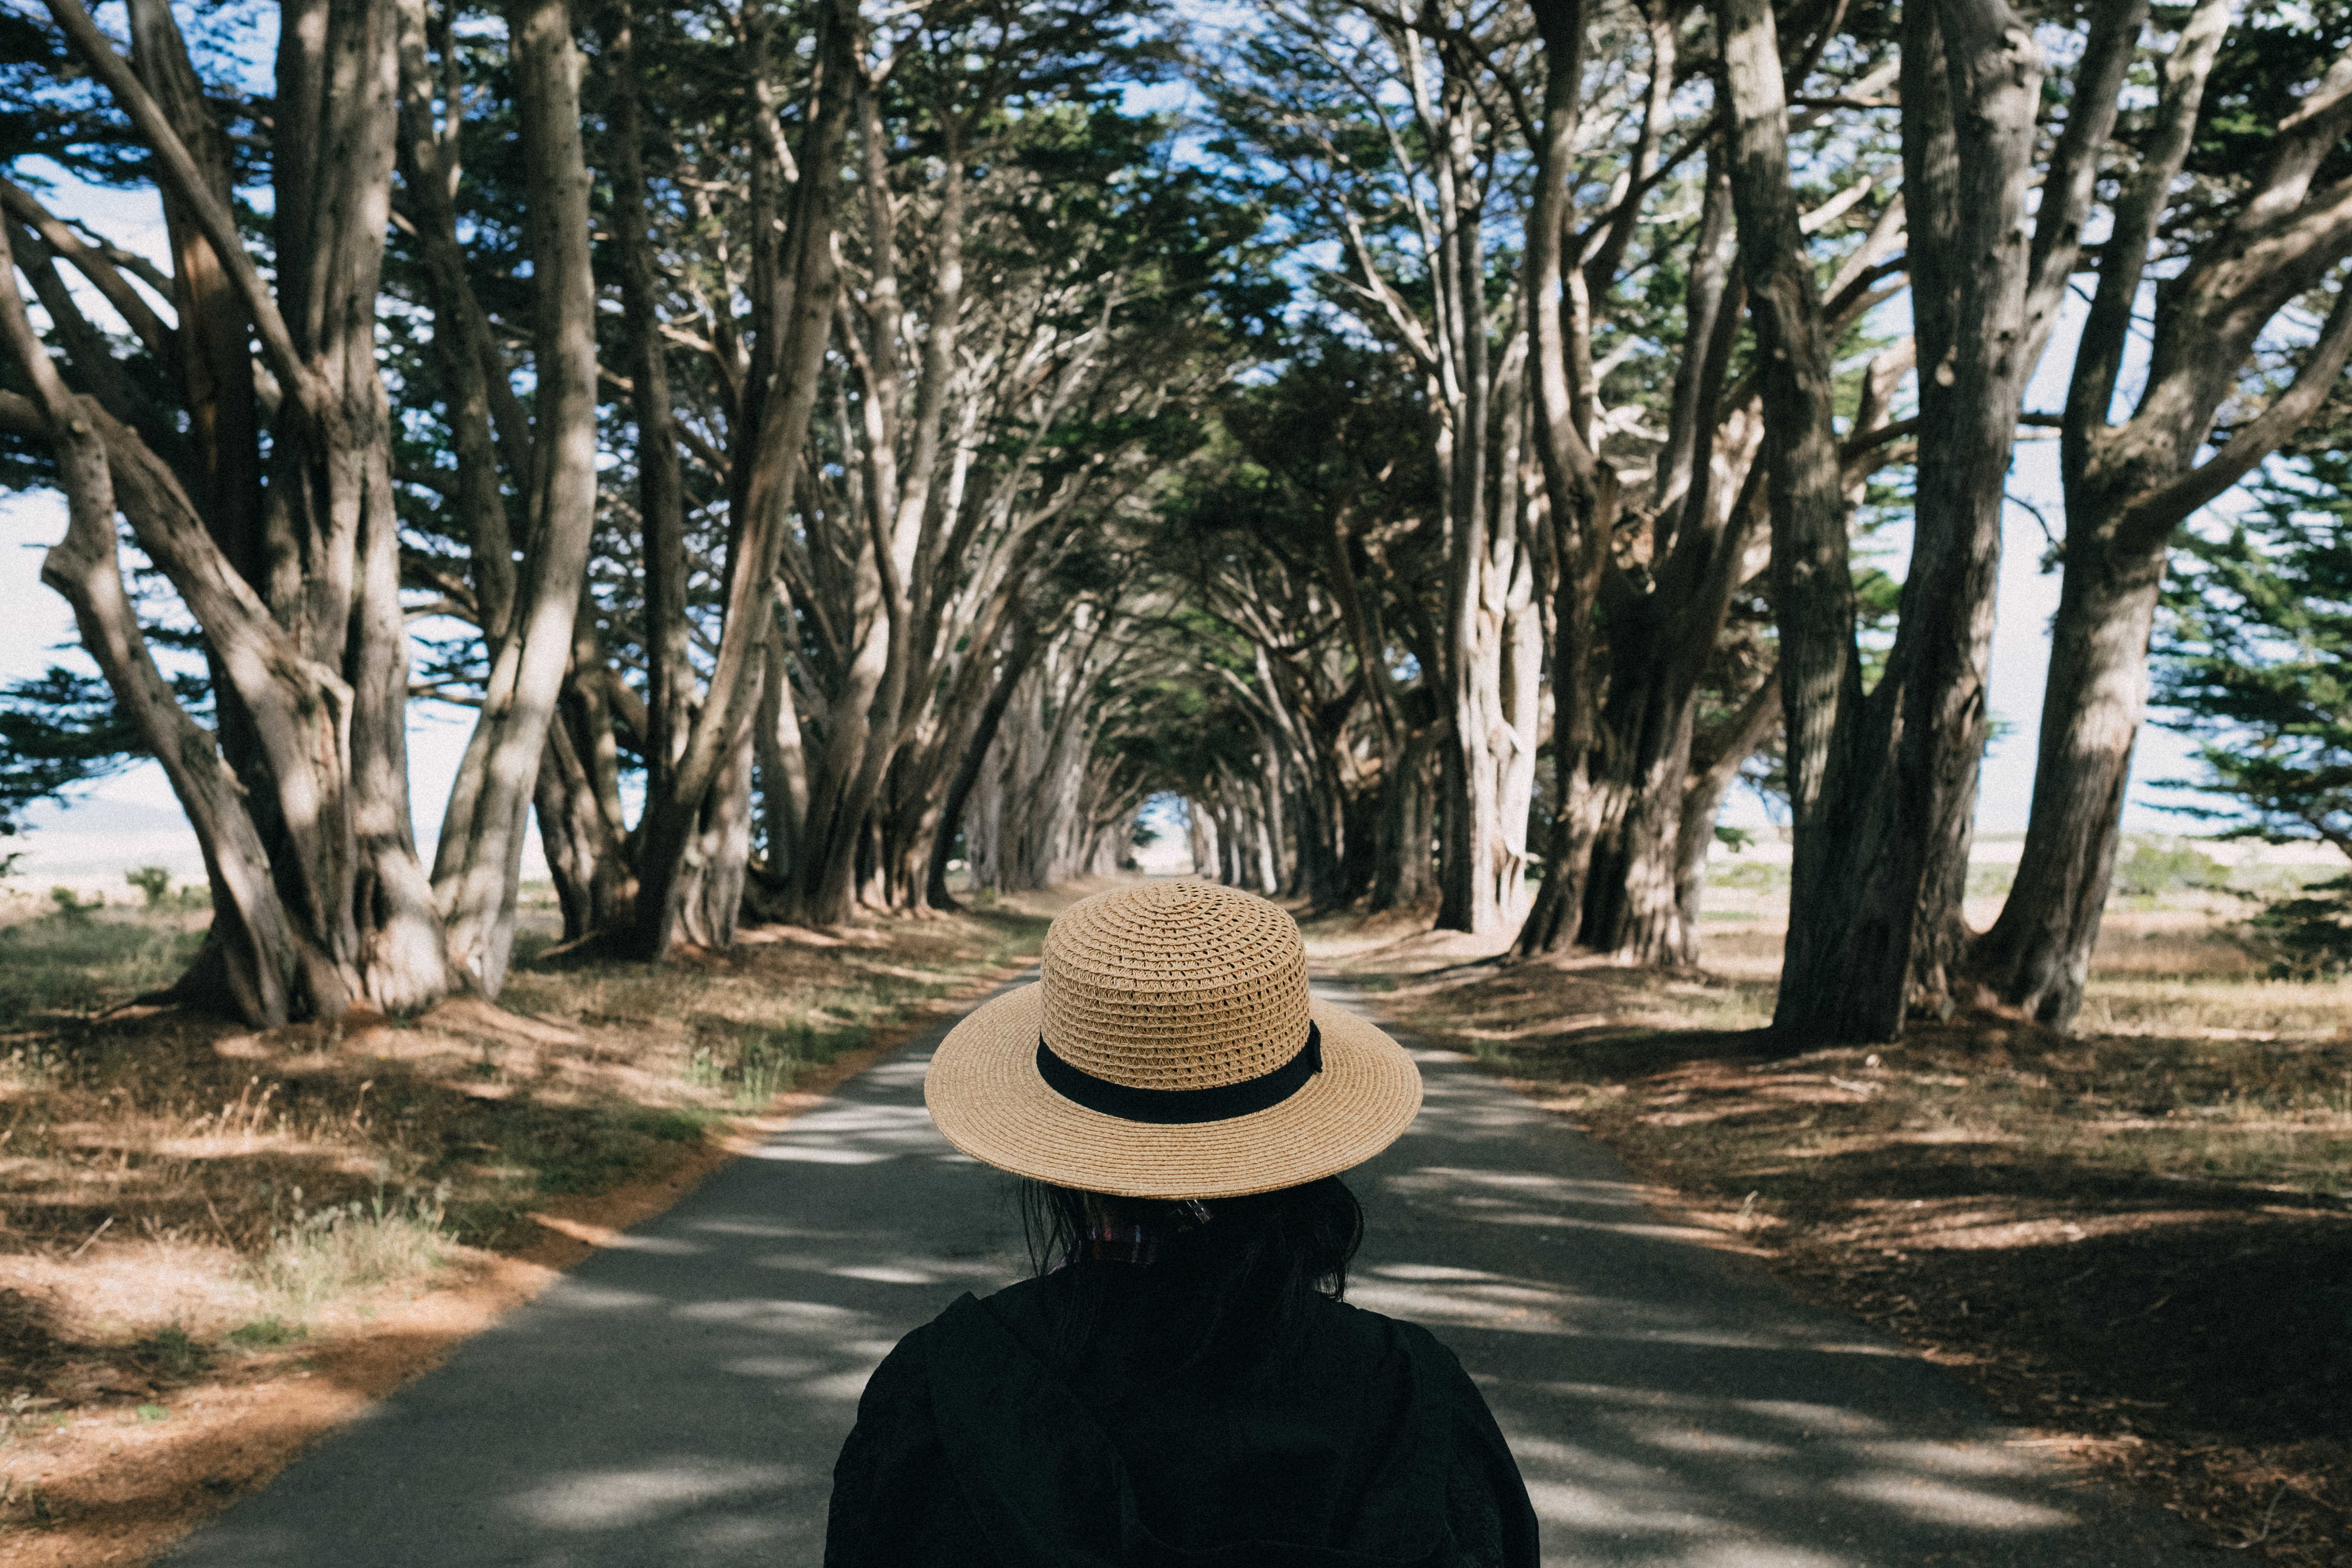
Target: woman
[1180, 1383]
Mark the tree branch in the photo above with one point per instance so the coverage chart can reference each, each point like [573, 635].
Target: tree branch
[161, 340]
[2155, 513]
[214, 217]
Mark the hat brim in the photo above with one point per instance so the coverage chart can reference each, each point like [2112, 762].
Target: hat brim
[987, 1097]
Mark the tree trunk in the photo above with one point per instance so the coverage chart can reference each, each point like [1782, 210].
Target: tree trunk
[799, 323]
[1820, 673]
[1407, 876]
[1881, 914]
[1025, 643]
[261, 957]
[312, 652]
[479, 865]
[1632, 904]
[1581, 496]
[661, 503]
[2129, 486]
[710, 892]
[782, 766]
[2038, 953]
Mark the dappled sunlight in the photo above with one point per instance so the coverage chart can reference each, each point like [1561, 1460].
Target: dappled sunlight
[1667, 1406]
[712, 1362]
[644, 1494]
[1940, 1503]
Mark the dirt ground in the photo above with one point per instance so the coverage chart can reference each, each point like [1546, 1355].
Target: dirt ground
[216, 1246]
[2135, 1242]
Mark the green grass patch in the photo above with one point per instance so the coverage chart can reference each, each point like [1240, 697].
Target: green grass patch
[175, 1353]
[83, 964]
[266, 1333]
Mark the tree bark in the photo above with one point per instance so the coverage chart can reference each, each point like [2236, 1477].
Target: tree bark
[1821, 675]
[311, 652]
[479, 865]
[661, 493]
[1026, 644]
[1880, 917]
[264, 960]
[2130, 485]
[763, 479]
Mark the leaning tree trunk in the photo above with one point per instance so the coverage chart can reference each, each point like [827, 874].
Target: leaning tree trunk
[1026, 641]
[2038, 952]
[478, 866]
[799, 318]
[2130, 486]
[1581, 494]
[261, 957]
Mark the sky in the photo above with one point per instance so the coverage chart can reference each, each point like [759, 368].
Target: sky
[132, 819]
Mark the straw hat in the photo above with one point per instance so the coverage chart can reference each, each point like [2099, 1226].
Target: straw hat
[1170, 1051]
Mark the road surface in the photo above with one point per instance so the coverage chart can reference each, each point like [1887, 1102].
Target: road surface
[680, 1398]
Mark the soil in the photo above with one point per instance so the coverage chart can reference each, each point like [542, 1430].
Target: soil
[114, 1451]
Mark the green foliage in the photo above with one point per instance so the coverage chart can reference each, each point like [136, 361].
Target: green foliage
[70, 906]
[2250, 658]
[2307, 935]
[266, 1333]
[154, 883]
[60, 729]
[2155, 866]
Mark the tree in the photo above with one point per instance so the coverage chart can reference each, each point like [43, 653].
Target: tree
[2252, 643]
[1886, 823]
[300, 795]
[524, 608]
[1394, 139]
[2242, 185]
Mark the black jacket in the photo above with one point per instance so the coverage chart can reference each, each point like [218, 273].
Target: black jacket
[1374, 1451]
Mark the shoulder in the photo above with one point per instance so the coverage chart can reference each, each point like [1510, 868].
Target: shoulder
[1397, 1337]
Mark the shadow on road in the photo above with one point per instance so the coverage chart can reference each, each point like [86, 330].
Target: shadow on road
[681, 1398]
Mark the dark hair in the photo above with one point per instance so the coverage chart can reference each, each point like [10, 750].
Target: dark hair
[1255, 1264]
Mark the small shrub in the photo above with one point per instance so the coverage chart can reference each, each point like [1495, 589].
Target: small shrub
[321, 1255]
[1759, 876]
[152, 881]
[176, 1354]
[264, 1332]
[2153, 867]
[2306, 935]
[674, 1127]
[70, 906]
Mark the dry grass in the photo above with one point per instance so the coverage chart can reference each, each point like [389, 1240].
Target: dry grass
[2137, 1239]
[183, 1201]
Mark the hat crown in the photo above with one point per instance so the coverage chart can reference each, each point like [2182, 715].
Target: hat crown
[1175, 986]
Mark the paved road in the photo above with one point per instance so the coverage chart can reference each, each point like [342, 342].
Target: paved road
[679, 1399]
